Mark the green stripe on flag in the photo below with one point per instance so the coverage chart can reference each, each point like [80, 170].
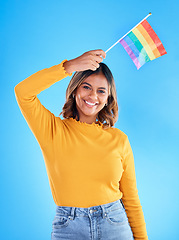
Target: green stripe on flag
[139, 46]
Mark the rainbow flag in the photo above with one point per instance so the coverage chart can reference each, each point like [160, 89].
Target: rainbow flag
[142, 44]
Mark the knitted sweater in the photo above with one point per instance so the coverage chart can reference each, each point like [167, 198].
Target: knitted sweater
[86, 164]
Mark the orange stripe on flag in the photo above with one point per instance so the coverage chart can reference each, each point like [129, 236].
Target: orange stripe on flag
[149, 41]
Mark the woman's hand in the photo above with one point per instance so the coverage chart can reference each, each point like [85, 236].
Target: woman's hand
[88, 60]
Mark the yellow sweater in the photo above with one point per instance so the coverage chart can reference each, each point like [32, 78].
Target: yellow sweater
[86, 164]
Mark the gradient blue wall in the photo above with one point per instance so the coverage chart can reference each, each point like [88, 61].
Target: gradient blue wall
[40, 34]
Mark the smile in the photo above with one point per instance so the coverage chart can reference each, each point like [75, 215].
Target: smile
[90, 103]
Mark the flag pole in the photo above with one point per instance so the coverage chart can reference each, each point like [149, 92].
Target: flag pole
[128, 32]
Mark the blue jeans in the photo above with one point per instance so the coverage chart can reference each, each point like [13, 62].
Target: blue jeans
[104, 222]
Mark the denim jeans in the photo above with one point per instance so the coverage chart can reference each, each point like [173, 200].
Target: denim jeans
[104, 222]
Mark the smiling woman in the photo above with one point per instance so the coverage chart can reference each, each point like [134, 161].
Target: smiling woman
[90, 163]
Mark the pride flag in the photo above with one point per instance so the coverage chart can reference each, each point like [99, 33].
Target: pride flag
[142, 44]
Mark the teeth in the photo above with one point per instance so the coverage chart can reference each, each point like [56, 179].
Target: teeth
[92, 104]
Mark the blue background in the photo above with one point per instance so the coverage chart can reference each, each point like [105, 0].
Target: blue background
[39, 34]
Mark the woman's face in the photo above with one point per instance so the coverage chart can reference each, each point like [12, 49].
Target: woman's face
[91, 96]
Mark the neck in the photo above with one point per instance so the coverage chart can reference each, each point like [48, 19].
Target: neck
[88, 119]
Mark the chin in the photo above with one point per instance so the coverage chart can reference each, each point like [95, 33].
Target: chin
[90, 114]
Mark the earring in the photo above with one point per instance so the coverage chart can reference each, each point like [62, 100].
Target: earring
[73, 95]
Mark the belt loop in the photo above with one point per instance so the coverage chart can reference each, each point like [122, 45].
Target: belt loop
[103, 212]
[72, 214]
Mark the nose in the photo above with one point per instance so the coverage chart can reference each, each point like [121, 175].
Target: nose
[93, 95]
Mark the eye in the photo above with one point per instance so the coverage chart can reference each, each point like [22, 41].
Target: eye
[86, 87]
[101, 91]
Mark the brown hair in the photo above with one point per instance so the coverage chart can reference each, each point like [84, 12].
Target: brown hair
[109, 114]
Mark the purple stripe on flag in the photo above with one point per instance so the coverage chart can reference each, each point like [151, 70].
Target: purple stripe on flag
[130, 52]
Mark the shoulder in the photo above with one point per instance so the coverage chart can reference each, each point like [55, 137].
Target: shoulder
[116, 132]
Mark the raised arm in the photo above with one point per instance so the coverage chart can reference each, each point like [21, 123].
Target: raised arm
[40, 120]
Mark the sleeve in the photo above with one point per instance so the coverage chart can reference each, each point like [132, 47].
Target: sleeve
[40, 120]
[130, 197]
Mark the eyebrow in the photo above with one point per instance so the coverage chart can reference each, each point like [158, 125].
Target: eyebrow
[91, 86]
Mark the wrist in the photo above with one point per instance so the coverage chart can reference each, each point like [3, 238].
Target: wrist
[68, 66]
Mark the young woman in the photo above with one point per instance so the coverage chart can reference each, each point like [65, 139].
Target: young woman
[89, 163]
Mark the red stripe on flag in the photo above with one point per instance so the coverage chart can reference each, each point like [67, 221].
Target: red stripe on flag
[154, 37]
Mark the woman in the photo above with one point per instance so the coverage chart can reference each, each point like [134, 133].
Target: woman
[89, 163]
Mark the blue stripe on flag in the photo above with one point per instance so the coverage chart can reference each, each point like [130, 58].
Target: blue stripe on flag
[135, 50]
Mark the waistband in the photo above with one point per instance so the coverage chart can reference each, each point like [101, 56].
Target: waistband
[93, 211]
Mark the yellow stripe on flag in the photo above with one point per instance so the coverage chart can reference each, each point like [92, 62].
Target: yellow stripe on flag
[144, 43]
[149, 41]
